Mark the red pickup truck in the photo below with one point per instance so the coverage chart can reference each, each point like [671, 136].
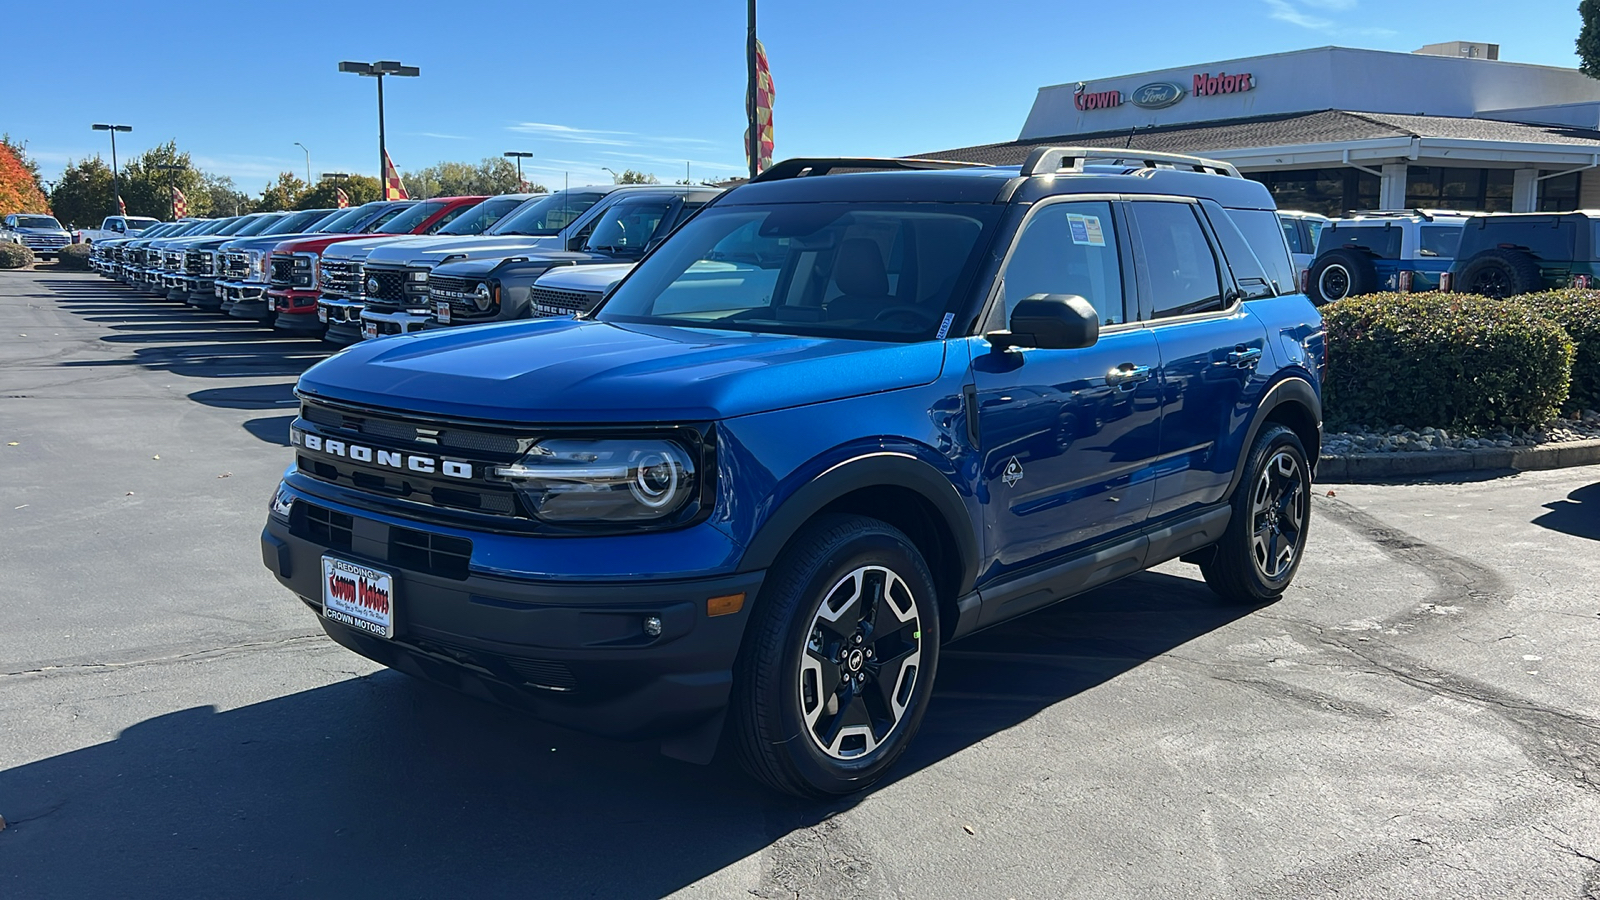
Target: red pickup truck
[291, 301]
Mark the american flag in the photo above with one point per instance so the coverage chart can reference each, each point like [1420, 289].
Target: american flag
[763, 98]
[180, 203]
[393, 187]
[342, 197]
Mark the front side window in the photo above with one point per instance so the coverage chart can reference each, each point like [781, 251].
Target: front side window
[625, 228]
[865, 271]
[377, 226]
[1067, 248]
[1179, 261]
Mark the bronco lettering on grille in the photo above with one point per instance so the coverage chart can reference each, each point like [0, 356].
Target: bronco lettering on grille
[426, 465]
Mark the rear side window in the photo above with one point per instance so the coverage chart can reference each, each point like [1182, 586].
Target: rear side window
[1068, 248]
[1382, 241]
[1259, 227]
[1439, 240]
[1292, 236]
[1183, 272]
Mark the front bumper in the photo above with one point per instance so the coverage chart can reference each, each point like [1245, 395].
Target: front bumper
[573, 653]
[234, 292]
[343, 318]
[202, 291]
[379, 324]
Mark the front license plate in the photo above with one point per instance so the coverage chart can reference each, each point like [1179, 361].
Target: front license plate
[322, 314]
[357, 596]
[369, 330]
[442, 313]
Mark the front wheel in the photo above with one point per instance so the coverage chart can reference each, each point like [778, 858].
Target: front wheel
[838, 664]
[1261, 550]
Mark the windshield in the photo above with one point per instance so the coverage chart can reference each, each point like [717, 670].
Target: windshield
[141, 224]
[478, 219]
[297, 223]
[232, 227]
[1440, 240]
[411, 218]
[38, 222]
[548, 216]
[348, 220]
[376, 225]
[257, 225]
[868, 271]
[625, 228]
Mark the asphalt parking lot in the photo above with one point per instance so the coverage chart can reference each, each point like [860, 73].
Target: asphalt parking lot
[1419, 716]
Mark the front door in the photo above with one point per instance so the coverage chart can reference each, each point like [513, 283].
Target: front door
[1068, 438]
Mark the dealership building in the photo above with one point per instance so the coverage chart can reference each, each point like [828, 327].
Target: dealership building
[1335, 129]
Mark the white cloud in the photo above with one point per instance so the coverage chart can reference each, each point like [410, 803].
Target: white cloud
[1284, 11]
[435, 134]
[574, 135]
[1295, 12]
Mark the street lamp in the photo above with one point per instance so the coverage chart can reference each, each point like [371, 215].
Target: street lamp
[615, 178]
[378, 70]
[519, 155]
[308, 160]
[172, 184]
[116, 184]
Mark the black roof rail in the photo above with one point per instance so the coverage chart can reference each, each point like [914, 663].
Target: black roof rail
[1426, 213]
[1050, 160]
[808, 166]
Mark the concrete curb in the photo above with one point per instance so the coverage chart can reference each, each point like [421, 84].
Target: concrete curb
[1361, 467]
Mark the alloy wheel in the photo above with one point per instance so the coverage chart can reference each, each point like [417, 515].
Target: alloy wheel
[860, 663]
[1277, 516]
[1492, 282]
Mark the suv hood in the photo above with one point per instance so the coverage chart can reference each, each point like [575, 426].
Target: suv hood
[480, 266]
[261, 242]
[26, 230]
[431, 251]
[553, 371]
[360, 248]
[589, 279]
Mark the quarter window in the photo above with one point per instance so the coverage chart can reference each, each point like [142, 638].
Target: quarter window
[1068, 248]
[1181, 265]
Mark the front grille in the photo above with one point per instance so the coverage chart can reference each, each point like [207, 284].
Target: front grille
[424, 551]
[172, 260]
[236, 265]
[341, 278]
[44, 241]
[282, 271]
[198, 262]
[552, 302]
[396, 429]
[467, 497]
[391, 287]
[322, 526]
[458, 293]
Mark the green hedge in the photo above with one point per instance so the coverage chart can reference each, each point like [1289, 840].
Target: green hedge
[74, 256]
[14, 256]
[1579, 313]
[1443, 360]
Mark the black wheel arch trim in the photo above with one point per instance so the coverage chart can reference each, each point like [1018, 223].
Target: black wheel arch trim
[1291, 389]
[879, 469]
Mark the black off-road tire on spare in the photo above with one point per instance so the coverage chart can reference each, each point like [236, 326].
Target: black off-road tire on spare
[1248, 566]
[1500, 273]
[784, 706]
[1338, 274]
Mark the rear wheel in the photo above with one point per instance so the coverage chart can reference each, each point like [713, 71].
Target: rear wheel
[1338, 274]
[837, 667]
[1260, 552]
[1500, 273]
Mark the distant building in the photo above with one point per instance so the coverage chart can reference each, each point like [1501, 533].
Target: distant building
[1335, 129]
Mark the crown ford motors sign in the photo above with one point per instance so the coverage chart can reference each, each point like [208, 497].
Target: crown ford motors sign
[1157, 95]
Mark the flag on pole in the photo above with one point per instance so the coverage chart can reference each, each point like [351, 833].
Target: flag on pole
[122, 208]
[180, 203]
[764, 95]
[342, 197]
[393, 187]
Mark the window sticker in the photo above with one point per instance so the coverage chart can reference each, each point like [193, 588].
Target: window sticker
[1086, 230]
[944, 327]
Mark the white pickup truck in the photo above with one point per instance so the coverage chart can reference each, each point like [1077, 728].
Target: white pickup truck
[113, 227]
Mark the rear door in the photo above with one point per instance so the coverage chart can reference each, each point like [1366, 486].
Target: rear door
[1210, 347]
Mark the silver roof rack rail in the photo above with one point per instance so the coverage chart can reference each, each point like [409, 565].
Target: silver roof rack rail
[812, 166]
[1050, 160]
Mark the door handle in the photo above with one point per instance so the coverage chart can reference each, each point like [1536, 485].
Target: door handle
[1127, 375]
[1245, 357]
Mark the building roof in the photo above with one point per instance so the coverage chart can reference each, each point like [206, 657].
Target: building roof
[1293, 129]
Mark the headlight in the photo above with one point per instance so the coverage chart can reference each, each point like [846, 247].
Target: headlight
[483, 298]
[574, 480]
[420, 275]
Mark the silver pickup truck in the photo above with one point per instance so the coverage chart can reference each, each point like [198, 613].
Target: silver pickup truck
[41, 234]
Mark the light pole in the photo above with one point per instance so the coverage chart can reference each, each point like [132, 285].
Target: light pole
[378, 70]
[172, 184]
[308, 162]
[519, 155]
[336, 178]
[615, 178]
[116, 184]
[753, 142]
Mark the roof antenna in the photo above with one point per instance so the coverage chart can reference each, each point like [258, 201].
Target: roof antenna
[1128, 144]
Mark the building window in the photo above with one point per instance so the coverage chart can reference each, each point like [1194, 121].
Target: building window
[1559, 194]
[1478, 190]
[1331, 192]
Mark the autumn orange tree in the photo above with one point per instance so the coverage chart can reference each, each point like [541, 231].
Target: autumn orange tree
[19, 192]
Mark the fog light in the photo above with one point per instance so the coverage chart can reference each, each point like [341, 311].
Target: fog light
[652, 626]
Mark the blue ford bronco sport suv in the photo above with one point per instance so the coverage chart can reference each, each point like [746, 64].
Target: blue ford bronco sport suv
[847, 413]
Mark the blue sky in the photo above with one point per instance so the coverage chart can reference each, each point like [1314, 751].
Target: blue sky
[641, 85]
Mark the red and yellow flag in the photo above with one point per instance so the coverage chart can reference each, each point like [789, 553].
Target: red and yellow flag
[393, 187]
[764, 95]
[342, 197]
[180, 203]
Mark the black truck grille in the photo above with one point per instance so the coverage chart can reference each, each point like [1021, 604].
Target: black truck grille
[397, 429]
[419, 551]
[551, 302]
[341, 278]
[467, 497]
[391, 285]
[236, 265]
[197, 262]
[282, 271]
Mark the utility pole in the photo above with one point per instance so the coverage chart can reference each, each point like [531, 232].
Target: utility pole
[378, 70]
[116, 184]
[753, 144]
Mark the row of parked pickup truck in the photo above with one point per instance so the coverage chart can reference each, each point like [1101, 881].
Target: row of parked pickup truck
[396, 267]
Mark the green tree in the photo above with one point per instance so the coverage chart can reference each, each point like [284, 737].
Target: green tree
[493, 175]
[1589, 38]
[629, 176]
[223, 196]
[285, 193]
[83, 195]
[325, 195]
[147, 184]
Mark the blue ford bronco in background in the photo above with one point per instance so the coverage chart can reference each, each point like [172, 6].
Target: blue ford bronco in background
[847, 413]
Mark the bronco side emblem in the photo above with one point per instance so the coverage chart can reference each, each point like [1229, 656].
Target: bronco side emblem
[1013, 473]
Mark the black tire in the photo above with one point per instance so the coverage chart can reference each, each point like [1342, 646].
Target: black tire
[1500, 273]
[1238, 569]
[1338, 274]
[782, 710]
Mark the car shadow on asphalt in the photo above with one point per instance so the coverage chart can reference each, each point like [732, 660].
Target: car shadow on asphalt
[384, 786]
[1578, 514]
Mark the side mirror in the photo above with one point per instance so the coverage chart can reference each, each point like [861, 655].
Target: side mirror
[1050, 322]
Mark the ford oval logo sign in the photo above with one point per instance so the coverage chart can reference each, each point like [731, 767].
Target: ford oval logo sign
[1157, 95]
[372, 285]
